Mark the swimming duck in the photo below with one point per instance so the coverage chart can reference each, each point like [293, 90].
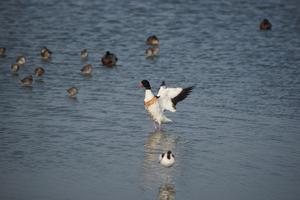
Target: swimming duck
[45, 53]
[167, 159]
[2, 51]
[84, 54]
[265, 25]
[109, 59]
[14, 68]
[86, 69]
[152, 40]
[39, 71]
[166, 99]
[27, 81]
[151, 52]
[72, 91]
[21, 60]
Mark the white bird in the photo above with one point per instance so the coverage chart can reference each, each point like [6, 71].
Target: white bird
[167, 159]
[166, 99]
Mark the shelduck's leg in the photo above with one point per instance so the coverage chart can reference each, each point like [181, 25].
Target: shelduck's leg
[155, 126]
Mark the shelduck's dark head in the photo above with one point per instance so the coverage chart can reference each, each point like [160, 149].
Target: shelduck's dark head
[145, 84]
[163, 83]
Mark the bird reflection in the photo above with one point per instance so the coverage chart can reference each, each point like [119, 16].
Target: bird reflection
[153, 173]
[166, 192]
[160, 140]
[156, 143]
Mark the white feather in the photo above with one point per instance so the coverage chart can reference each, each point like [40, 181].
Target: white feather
[165, 97]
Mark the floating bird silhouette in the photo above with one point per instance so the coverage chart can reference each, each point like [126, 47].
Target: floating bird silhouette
[72, 91]
[45, 53]
[152, 40]
[265, 25]
[109, 59]
[166, 99]
[21, 60]
[84, 54]
[86, 69]
[39, 71]
[15, 68]
[2, 51]
[167, 159]
[27, 81]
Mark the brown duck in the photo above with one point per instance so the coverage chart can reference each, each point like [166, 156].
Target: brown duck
[72, 91]
[86, 69]
[27, 81]
[265, 25]
[45, 53]
[109, 59]
[39, 71]
[14, 68]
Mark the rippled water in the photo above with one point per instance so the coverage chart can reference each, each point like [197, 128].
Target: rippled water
[235, 137]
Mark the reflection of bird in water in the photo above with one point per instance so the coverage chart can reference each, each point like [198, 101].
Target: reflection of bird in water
[166, 192]
[153, 173]
[151, 52]
[159, 141]
[167, 159]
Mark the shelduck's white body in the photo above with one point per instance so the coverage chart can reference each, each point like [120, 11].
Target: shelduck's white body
[166, 99]
[154, 109]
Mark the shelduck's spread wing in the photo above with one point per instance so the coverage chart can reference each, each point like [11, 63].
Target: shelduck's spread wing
[169, 97]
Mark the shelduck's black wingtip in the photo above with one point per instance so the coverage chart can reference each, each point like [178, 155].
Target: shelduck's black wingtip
[182, 95]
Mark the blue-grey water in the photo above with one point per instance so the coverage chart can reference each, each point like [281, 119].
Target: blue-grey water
[237, 136]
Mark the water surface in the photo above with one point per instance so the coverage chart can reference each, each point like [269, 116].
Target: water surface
[235, 137]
